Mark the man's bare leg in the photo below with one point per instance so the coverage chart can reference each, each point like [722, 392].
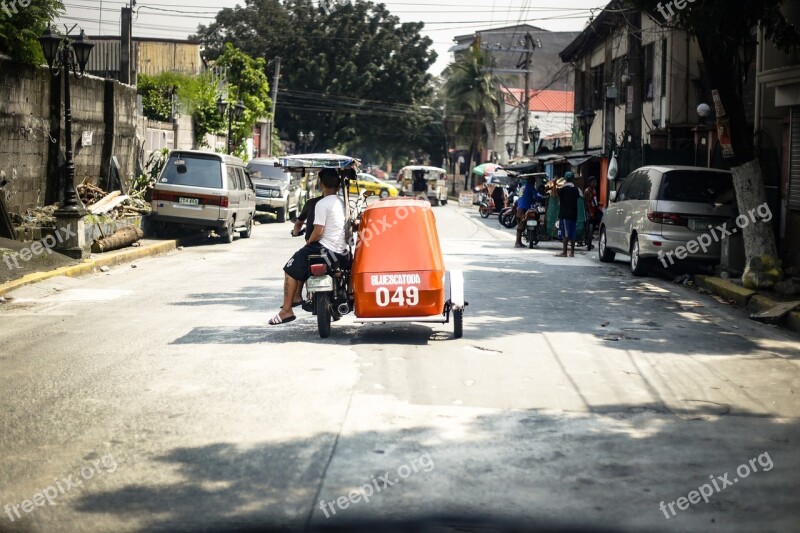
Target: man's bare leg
[289, 289]
[298, 296]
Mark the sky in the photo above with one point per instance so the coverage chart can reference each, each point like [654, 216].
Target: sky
[444, 19]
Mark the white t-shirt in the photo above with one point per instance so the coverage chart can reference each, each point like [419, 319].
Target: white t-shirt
[329, 212]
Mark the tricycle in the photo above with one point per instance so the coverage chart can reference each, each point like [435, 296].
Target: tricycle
[394, 269]
[424, 182]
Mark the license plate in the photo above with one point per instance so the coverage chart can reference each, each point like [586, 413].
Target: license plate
[532, 223]
[319, 283]
[189, 201]
[701, 224]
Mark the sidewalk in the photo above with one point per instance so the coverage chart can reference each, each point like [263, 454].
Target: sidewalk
[746, 298]
[51, 265]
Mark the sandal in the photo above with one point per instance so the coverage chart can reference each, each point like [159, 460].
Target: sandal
[276, 320]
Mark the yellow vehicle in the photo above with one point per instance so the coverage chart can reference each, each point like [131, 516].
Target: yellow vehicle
[368, 182]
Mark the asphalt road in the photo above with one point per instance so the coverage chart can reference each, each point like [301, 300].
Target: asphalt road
[157, 398]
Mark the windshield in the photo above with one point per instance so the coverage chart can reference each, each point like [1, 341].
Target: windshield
[696, 186]
[193, 170]
[269, 172]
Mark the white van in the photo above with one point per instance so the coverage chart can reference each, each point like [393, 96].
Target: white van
[206, 191]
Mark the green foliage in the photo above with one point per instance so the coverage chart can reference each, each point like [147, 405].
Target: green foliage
[356, 77]
[473, 96]
[247, 83]
[20, 27]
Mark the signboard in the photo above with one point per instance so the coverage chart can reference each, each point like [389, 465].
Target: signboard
[86, 138]
[465, 199]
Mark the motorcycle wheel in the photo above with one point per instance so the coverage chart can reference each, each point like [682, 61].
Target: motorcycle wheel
[323, 308]
[508, 220]
[485, 210]
[533, 237]
[458, 324]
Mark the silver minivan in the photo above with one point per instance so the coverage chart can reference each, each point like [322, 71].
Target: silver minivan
[660, 208]
[206, 191]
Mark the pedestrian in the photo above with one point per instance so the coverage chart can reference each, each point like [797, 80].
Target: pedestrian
[568, 197]
[593, 212]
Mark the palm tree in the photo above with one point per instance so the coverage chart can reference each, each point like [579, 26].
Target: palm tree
[473, 99]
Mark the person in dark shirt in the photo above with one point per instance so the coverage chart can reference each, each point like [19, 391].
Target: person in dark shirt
[568, 196]
[306, 216]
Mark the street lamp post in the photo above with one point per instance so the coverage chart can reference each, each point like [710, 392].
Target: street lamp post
[510, 149]
[534, 135]
[586, 119]
[306, 139]
[63, 55]
[231, 112]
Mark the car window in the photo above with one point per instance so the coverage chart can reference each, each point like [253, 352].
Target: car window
[263, 171]
[233, 180]
[640, 186]
[194, 170]
[626, 186]
[241, 177]
[696, 186]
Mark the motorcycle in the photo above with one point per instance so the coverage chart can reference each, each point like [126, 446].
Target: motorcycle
[508, 216]
[533, 221]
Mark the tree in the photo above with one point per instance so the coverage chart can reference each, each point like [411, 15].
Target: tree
[473, 98]
[20, 27]
[354, 77]
[721, 28]
[246, 82]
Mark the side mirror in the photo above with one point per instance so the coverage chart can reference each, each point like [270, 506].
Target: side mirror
[367, 194]
[612, 196]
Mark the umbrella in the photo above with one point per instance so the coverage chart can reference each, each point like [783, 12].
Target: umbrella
[485, 168]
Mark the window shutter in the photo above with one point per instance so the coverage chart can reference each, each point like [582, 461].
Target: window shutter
[794, 162]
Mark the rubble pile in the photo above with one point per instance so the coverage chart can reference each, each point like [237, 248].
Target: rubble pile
[114, 204]
[36, 217]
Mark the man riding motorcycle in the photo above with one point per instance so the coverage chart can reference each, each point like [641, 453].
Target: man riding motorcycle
[327, 238]
[529, 197]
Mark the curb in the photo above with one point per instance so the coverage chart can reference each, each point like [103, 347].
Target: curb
[90, 265]
[750, 300]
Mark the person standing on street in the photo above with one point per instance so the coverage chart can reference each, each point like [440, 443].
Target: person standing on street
[568, 197]
[593, 213]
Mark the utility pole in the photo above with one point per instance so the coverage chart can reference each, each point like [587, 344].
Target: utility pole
[274, 104]
[527, 100]
[126, 46]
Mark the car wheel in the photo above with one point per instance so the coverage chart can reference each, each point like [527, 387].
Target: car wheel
[638, 265]
[443, 202]
[281, 213]
[606, 255]
[458, 323]
[227, 233]
[384, 193]
[248, 229]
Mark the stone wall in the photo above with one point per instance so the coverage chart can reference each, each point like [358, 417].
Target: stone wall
[32, 132]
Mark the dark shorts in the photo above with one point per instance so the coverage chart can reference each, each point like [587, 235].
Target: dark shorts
[569, 229]
[298, 266]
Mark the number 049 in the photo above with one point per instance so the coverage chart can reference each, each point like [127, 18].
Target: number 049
[401, 296]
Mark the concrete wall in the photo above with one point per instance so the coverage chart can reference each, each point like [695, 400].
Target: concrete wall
[32, 131]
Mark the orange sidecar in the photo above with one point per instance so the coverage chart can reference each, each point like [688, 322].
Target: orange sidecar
[398, 272]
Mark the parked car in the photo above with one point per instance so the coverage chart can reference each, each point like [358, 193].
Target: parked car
[659, 208]
[368, 182]
[276, 190]
[207, 191]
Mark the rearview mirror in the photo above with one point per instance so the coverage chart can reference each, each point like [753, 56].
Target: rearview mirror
[612, 196]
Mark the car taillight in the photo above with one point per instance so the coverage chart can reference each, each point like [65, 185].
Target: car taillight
[221, 201]
[673, 219]
[318, 270]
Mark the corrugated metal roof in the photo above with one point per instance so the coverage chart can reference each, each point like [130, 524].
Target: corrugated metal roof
[546, 100]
